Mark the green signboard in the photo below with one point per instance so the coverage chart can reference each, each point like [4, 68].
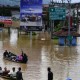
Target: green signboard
[57, 13]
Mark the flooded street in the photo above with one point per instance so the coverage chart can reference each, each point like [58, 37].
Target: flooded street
[42, 53]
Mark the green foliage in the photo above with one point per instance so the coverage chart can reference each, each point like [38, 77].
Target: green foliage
[55, 41]
[58, 26]
[57, 29]
[33, 33]
[55, 37]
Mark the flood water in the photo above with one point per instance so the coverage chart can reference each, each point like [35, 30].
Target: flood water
[42, 53]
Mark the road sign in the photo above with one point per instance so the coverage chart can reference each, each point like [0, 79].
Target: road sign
[57, 13]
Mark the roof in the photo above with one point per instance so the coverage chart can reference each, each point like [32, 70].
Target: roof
[65, 33]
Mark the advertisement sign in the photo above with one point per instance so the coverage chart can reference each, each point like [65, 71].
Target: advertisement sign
[31, 15]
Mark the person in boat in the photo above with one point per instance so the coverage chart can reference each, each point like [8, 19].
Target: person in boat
[19, 58]
[25, 58]
[12, 56]
[19, 74]
[22, 58]
[5, 54]
[13, 74]
[1, 72]
[5, 72]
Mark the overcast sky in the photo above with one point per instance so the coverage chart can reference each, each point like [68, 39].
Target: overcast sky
[17, 2]
[72, 1]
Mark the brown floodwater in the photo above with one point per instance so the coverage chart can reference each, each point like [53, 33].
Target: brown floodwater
[42, 53]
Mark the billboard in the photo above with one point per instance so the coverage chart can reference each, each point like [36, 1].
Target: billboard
[31, 15]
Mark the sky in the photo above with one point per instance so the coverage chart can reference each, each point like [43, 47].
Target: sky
[72, 1]
[17, 2]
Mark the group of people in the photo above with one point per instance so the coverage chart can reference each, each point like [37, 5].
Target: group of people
[12, 75]
[18, 74]
[21, 58]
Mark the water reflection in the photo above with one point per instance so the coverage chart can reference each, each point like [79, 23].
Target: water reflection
[13, 36]
[1, 45]
[45, 62]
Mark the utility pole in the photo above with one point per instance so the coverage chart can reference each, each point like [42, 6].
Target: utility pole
[69, 2]
[77, 15]
[69, 8]
[52, 21]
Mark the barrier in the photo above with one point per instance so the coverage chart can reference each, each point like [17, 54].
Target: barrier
[61, 41]
[73, 42]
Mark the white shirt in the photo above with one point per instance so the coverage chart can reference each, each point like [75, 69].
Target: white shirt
[13, 74]
[1, 71]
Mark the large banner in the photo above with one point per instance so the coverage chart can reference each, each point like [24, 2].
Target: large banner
[31, 15]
